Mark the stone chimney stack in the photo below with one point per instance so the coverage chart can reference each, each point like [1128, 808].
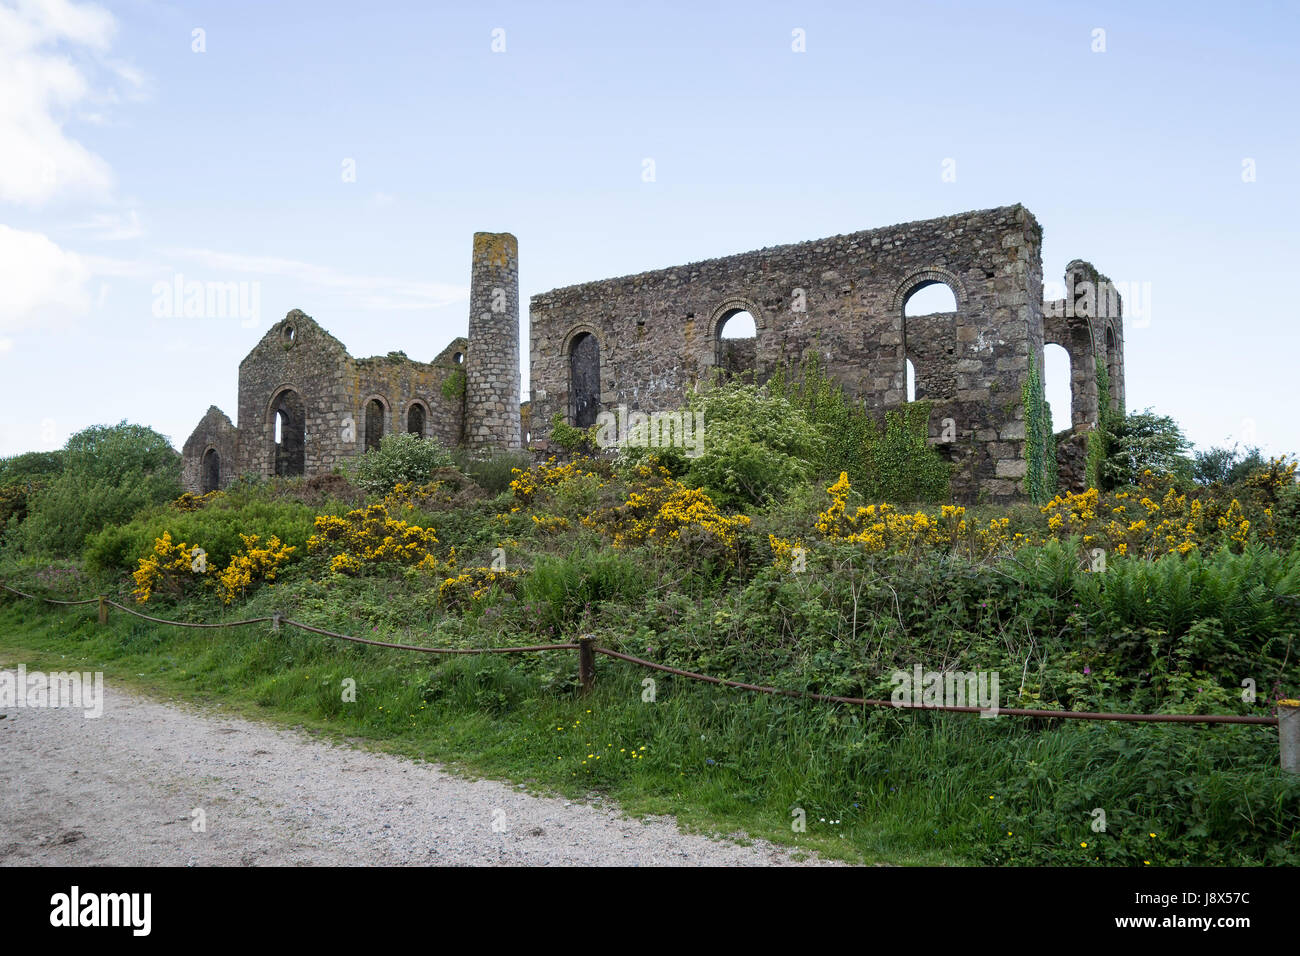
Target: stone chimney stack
[492, 374]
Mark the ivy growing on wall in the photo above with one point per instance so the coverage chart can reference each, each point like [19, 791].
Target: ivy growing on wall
[1099, 437]
[1040, 442]
[453, 386]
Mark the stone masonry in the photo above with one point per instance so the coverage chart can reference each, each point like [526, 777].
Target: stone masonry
[493, 370]
[646, 340]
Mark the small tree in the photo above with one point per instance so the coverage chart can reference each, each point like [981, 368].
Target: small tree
[1225, 465]
[110, 472]
[1142, 441]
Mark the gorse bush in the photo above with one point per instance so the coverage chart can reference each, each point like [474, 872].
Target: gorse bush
[400, 458]
[218, 528]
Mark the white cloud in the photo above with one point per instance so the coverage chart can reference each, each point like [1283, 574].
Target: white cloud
[38, 280]
[6, 346]
[42, 85]
[370, 293]
[112, 226]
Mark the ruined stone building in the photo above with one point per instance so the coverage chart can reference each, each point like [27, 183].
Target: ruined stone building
[307, 406]
[644, 341]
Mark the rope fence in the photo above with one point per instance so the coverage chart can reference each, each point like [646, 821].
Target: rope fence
[1287, 721]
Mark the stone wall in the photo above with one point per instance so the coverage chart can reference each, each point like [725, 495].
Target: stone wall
[646, 340]
[1089, 324]
[841, 298]
[301, 369]
[214, 435]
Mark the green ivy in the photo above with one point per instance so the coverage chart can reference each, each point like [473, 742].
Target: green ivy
[1099, 437]
[902, 464]
[897, 464]
[1040, 443]
[572, 439]
[453, 386]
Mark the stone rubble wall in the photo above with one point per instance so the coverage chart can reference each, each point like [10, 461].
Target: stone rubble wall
[841, 298]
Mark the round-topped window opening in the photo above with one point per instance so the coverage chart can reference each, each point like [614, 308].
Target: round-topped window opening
[458, 358]
[288, 335]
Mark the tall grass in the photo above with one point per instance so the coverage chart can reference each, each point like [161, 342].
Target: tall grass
[881, 786]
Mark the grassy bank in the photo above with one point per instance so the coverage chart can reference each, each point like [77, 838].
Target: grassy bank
[876, 787]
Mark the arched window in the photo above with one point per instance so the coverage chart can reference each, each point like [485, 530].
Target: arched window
[210, 470]
[584, 380]
[374, 423]
[929, 322]
[415, 419]
[1058, 385]
[737, 343]
[289, 423]
[929, 298]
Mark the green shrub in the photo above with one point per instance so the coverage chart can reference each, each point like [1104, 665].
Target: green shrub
[1225, 465]
[756, 445]
[216, 528]
[109, 473]
[400, 458]
[453, 386]
[572, 440]
[844, 423]
[896, 464]
[22, 478]
[1141, 441]
[32, 466]
[563, 590]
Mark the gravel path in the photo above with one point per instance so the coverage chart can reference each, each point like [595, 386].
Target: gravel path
[120, 790]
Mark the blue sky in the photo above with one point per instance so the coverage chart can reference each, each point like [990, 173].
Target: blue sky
[126, 158]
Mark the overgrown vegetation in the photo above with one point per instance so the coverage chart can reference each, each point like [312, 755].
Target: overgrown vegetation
[400, 458]
[1040, 443]
[103, 477]
[1140, 442]
[798, 552]
[895, 463]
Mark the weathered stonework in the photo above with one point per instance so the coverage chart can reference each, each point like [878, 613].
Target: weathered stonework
[306, 406]
[647, 339]
[493, 370]
[211, 453]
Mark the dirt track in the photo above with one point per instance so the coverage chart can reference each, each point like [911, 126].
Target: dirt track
[121, 789]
